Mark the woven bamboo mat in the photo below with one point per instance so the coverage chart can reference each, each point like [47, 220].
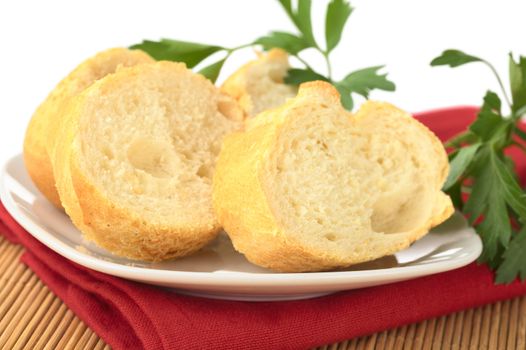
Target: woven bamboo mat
[32, 317]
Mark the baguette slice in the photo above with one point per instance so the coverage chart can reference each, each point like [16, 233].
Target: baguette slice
[40, 133]
[310, 187]
[258, 85]
[135, 157]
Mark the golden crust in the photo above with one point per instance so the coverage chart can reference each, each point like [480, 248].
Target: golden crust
[113, 227]
[239, 177]
[36, 158]
[43, 127]
[239, 180]
[105, 223]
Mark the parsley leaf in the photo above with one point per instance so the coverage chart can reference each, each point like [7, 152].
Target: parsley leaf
[175, 50]
[514, 260]
[287, 6]
[364, 80]
[338, 13]
[298, 76]
[459, 164]
[454, 58]
[511, 190]
[520, 133]
[486, 200]
[345, 96]
[518, 82]
[455, 192]
[301, 18]
[489, 118]
[286, 41]
[492, 102]
[480, 168]
[304, 21]
[212, 71]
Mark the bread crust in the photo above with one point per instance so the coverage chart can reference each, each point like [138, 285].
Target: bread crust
[103, 221]
[126, 234]
[43, 126]
[36, 158]
[243, 209]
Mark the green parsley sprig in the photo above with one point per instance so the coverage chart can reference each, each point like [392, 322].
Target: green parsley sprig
[360, 82]
[496, 205]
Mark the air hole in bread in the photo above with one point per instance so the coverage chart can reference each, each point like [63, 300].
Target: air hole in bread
[330, 237]
[415, 161]
[324, 147]
[187, 154]
[154, 157]
[205, 171]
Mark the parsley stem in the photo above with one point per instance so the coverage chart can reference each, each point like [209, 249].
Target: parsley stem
[521, 146]
[239, 47]
[458, 140]
[305, 63]
[328, 61]
[499, 81]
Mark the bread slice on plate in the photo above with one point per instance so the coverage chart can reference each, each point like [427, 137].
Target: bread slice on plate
[134, 160]
[258, 85]
[310, 187]
[42, 128]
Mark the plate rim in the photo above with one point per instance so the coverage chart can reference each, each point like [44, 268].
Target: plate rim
[222, 278]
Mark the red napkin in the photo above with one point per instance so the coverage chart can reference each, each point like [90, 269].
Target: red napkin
[130, 315]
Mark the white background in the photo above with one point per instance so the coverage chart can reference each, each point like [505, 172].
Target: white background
[41, 41]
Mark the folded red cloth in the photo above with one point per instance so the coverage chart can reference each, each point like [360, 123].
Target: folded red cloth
[130, 315]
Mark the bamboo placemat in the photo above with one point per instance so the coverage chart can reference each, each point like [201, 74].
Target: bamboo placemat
[32, 317]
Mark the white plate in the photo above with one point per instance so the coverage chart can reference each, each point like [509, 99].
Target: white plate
[220, 272]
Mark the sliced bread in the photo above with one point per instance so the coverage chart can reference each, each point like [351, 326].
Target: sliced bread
[135, 156]
[47, 118]
[310, 187]
[258, 85]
